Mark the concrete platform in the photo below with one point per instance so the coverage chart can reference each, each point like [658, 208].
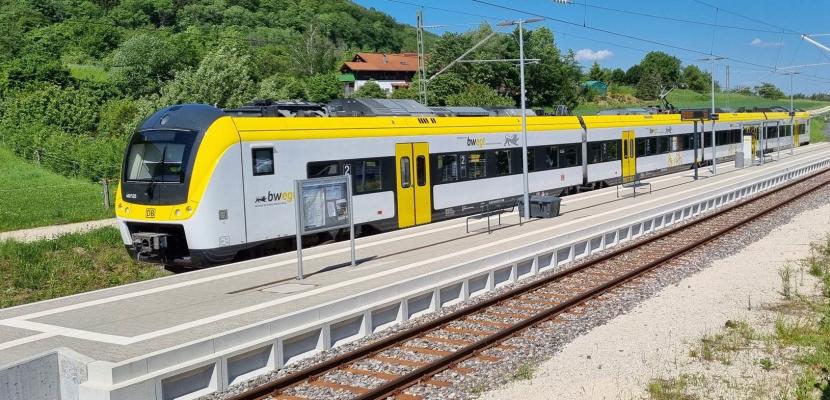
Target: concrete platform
[183, 336]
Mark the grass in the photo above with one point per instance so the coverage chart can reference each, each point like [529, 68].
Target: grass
[684, 98]
[818, 129]
[31, 196]
[70, 264]
[88, 72]
[524, 372]
[669, 389]
[720, 346]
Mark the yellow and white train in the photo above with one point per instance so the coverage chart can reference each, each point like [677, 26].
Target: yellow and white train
[204, 186]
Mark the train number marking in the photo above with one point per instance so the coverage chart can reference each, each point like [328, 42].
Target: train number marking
[150, 213]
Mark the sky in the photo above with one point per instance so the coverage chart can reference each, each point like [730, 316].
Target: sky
[757, 37]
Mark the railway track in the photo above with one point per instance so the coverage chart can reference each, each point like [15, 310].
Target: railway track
[392, 366]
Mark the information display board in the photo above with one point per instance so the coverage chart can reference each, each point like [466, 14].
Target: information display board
[323, 204]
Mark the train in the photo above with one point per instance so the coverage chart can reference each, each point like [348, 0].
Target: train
[202, 186]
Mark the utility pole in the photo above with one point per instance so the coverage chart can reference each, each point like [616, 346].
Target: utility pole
[422, 71]
[526, 186]
[713, 114]
[792, 113]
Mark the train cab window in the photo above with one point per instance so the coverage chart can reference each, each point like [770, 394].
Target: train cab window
[503, 163]
[420, 170]
[367, 176]
[447, 166]
[476, 165]
[324, 168]
[406, 173]
[552, 157]
[263, 160]
[158, 156]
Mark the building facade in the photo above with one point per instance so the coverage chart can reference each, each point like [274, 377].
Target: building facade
[389, 71]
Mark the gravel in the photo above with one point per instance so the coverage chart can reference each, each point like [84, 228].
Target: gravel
[547, 339]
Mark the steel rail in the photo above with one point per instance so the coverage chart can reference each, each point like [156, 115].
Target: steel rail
[395, 386]
[391, 387]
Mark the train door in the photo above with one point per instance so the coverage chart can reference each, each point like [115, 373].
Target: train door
[629, 157]
[413, 186]
[796, 130]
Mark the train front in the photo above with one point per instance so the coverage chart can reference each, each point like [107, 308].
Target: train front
[156, 200]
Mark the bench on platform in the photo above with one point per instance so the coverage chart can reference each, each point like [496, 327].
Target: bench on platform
[495, 208]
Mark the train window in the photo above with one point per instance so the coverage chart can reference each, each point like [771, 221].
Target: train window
[707, 139]
[552, 157]
[641, 146]
[263, 160]
[367, 176]
[476, 165]
[321, 169]
[568, 156]
[447, 166]
[406, 178]
[421, 170]
[611, 150]
[503, 162]
[531, 159]
[663, 145]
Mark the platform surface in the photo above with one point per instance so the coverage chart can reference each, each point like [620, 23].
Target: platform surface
[129, 321]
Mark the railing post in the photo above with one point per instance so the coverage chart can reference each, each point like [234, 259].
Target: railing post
[105, 183]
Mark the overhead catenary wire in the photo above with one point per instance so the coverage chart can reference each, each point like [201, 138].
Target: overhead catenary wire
[633, 37]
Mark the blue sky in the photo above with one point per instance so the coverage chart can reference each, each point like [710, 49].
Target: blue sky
[754, 50]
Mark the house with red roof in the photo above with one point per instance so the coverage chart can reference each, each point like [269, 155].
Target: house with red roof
[389, 71]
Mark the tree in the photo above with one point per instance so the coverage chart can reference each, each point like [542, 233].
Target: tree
[32, 68]
[282, 87]
[769, 91]
[223, 78]
[633, 74]
[143, 63]
[477, 94]
[617, 76]
[648, 88]
[322, 88]
[370, 90]
[555, 79]
[313, 53]
[667, 66]
[695, 79]
[595, 73]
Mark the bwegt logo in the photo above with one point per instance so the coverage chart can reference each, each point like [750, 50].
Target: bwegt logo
[475, 142]
[275, 197]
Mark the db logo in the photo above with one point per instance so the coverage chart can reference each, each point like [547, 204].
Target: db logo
[150, 213]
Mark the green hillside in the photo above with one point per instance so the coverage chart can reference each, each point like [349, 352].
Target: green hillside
[32, 196]
[684, 98]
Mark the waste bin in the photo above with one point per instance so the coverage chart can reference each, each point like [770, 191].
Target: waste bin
[541, 206]
[739, 159]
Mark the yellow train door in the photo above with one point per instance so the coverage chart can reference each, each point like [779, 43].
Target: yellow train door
[796, 133]
[413, 184]
[629, 157]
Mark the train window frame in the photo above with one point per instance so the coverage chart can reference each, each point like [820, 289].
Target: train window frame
[442, 166]
[255, 158]
[406, 172]
[552, 157]
[479, 166]
[420, 170]
[502, 158]
[358, 171]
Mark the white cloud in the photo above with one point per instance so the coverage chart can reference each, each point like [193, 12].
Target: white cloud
[590, 55]
[760, 43]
